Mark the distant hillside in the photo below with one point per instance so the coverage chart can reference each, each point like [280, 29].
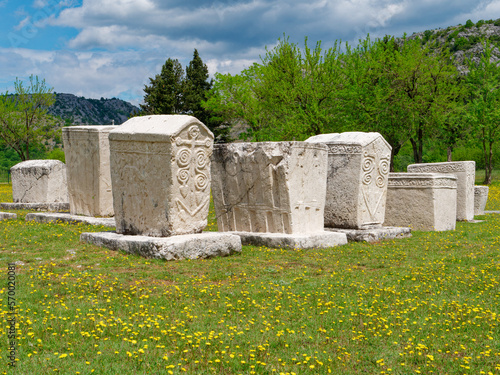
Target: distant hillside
[81, 111]
[464, 41]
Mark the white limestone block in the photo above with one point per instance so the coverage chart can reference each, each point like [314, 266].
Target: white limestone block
[358, 168]
[160, 172]
[273, 187]
[480, 199]
[188, 246]
[87, 165]
[39, 181]
[422, 201]
[466, 175]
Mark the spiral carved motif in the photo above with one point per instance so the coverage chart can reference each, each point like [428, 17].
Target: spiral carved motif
[201, 159]
[183, 176]
[201, 181]
[368, 164]
[183, 157]
[193, 132]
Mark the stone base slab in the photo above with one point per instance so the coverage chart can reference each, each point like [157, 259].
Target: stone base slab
[374, 234]
[188, 246]
[492, 212]
[292, 241]
[7, 216]
[475, 221]
[53, 207]
[72, 219]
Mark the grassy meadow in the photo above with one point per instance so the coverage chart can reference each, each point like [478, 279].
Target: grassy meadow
[425, 305]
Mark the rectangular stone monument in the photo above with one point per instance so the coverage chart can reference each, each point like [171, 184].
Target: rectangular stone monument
[39, 182]
[160, 172]
[272, 193]
[358, 166]
[89, 177]
[466, 174]
[480, 199]
[422, 201]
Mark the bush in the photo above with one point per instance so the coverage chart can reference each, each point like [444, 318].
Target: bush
[469, 24]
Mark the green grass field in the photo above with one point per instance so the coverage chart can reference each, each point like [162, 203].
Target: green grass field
[425, 305]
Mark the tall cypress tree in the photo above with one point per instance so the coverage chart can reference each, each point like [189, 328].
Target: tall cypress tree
[196, 87]
[164, 94]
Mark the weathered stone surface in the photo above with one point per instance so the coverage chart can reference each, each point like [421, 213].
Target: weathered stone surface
[421, 201]
[480, 199]
[293, 241]
[374, 234]
[273, 187]
[86, 149]
[71, 219]
[191, 246]
[39, 181]
[358, 166]
[466, 174]
[54, 207]
[7, 216]
[160, 172]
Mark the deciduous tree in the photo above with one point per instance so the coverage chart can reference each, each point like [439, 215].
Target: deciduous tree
[23, 116]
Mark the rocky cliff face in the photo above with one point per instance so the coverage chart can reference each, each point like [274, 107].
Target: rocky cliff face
[465, 41]
[80, 111]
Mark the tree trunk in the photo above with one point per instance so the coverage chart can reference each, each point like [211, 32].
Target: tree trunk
[394, 151]
[449, 150]
[488, 165]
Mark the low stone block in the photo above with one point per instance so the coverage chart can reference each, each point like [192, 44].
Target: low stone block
[7, 216]
[374, 234]
[480, 199]
[160, 172]
[465, 171]
[39, 181]
[70, 219]
[86, 149]
[358, 166]
[191, 246]
[273, 187]
[421, 201]
[53, 207]
[319, 240]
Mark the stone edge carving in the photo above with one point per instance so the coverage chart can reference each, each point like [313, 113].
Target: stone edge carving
[442, 182]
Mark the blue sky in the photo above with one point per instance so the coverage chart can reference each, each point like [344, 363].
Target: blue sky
[102, 48]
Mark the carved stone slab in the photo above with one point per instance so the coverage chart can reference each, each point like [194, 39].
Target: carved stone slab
[189, 246]
[87, 165]
[55, 207]
[39, 181]
[273, 187]
[466, 175]
[160, 171]
[358, 166]
[7, 216]
[422, 201]
[70, 219]
[480, 199]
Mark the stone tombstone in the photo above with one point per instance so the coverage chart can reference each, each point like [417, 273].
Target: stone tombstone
[160, 172]
[271, 187]
[89, 177]
[358, 168]
[466, 175]
[422, 201]
[480, 199]
[39, 181]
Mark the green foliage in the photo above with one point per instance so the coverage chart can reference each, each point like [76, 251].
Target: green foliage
[484, 104]
[480, 23]
[24, 121]
[56, 154]
[164, 94]
[469, 24]
[289, 95]
[172, 92]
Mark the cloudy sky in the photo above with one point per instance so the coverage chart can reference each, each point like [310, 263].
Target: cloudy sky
[109, 48]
